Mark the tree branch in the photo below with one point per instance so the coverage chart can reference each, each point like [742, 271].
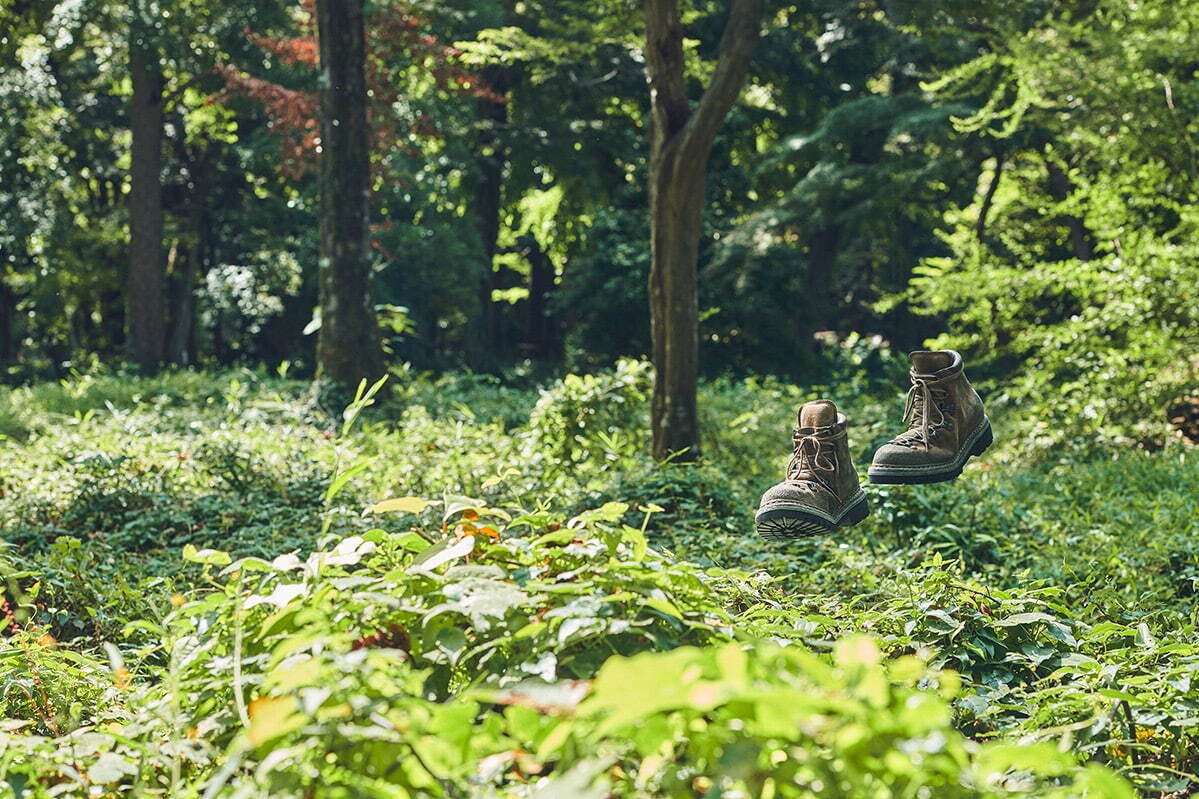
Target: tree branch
[737, 45]
[980, 224]
[664, 67]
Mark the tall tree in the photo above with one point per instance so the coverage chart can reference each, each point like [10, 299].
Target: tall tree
[145, 314]
[348, 348]
[492, 119]
[197, 160]
[680, 142]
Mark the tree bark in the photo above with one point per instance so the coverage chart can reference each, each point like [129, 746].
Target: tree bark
[541, 341]
[348, 347]
[144, 300]
[1059, 189]
[680, 143]
[491, 117]
[183, 315]
[980, 224]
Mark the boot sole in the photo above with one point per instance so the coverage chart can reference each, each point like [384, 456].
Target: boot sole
[980, 443]
[789, 522]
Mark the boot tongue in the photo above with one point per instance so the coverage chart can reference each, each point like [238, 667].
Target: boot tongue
[819, 413]
[926, 363]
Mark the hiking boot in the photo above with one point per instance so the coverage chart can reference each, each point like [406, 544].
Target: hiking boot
[821, 492]
[946, 424]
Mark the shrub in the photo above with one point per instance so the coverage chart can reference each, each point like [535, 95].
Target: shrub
[765, 721]
[587, 418]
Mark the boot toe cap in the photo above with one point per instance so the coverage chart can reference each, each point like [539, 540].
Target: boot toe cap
[792, 492]
[893, 455]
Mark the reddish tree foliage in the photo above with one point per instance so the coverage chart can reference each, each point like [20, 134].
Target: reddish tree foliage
[396, 36]
[293, 51]
[291, 113]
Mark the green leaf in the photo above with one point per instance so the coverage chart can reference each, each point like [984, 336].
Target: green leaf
[442, 552]
[271, 717]
[636, 538]
[1112, 693]
[480, 600]
[250, 564]
[455, 504]
[339, 482]
[1043, 759]
[399, 505]
[109, 768]
[412, 542]
[212, 557]
[1100, 781]
[280, 597]
[1024, 618]
[663, 605]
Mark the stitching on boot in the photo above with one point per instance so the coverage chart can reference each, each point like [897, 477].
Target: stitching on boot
[959, 460]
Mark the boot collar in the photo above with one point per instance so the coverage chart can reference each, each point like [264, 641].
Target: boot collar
[833, 430]
[954, 368]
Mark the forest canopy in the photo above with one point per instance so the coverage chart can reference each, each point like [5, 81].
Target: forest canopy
[1018, 180]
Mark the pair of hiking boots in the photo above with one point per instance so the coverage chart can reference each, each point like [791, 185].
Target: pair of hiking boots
[946, 426]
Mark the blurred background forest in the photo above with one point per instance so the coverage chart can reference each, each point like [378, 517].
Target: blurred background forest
[1016, 180]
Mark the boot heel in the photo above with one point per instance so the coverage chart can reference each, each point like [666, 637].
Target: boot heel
[857, 514]
[984, 441]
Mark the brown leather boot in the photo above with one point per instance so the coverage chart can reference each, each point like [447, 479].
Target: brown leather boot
[946, 424]
[821, 492]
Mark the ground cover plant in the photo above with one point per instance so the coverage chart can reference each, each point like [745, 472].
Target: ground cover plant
[213, 588]
[234, 562]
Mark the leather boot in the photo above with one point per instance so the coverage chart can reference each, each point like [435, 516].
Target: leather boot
[821, 492]
[946, 424]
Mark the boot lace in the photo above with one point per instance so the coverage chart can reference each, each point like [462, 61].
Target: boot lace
[811, 458]
[923, 402]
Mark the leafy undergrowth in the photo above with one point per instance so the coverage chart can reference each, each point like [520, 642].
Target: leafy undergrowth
[519, 655]
[196, 604]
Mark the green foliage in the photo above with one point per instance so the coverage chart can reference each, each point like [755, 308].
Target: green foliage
[425, 662]
[1020, 174]
[1077, 289]
[587, 619]
[581, 420]
[784, 722]
[1101, 339]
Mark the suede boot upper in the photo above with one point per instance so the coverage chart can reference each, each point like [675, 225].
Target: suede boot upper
[944, 415]
[821, 476]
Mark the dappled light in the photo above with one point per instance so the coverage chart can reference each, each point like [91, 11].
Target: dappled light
[515, 399]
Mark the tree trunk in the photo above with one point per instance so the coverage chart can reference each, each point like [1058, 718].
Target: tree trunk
[491, 117]
[183, 316]
[348, 347]
[1059, 189]
[676, 207]
[8, 311]
[680, 142]
[541, 340]
[144, 301]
